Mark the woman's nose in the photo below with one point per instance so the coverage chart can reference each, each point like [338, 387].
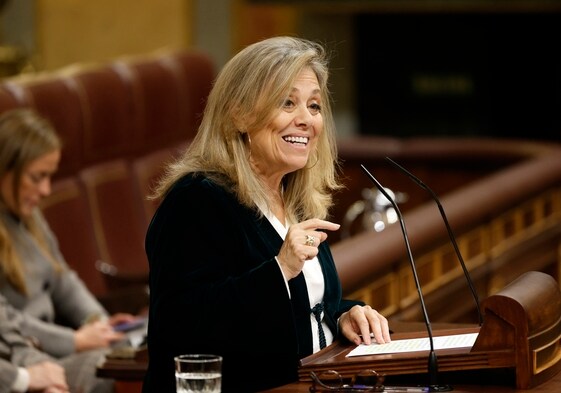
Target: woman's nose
[45, 187]
[303, 117]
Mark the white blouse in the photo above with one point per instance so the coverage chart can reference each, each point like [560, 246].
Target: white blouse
[314, 284]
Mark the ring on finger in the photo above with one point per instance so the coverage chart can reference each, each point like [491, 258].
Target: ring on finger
[310, 240]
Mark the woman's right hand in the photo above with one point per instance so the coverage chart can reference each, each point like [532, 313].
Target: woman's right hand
[296, 250]
[98, 334]
[47, 377]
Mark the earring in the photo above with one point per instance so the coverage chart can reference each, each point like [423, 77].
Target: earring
[245, 135]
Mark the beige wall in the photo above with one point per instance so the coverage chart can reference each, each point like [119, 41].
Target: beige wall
[57, 33]
[69, 31]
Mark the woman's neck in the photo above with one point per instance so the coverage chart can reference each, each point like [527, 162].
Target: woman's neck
[277, 206]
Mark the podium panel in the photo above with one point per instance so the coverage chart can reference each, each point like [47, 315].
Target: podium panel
[520, 334]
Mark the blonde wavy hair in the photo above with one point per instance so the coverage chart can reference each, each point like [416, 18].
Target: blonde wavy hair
[247, 94]
[24, 137]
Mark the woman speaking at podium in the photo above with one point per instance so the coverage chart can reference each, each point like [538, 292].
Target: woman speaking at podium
[239, 263]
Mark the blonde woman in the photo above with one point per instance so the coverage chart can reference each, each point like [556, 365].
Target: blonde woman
[239, 263]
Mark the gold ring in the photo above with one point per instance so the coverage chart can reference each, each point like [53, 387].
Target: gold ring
[310, 240]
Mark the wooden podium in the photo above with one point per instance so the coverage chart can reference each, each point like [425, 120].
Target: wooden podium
[520, 336]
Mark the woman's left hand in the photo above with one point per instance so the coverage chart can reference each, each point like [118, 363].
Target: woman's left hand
[357, 324]
[98, 334]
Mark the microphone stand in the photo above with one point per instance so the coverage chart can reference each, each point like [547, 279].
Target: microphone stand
[432, 361]
[420, 183]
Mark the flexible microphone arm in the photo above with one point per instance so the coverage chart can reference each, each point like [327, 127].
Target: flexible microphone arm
[420, 183]
[433, 361]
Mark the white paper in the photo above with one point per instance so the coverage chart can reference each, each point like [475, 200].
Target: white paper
[416, 344]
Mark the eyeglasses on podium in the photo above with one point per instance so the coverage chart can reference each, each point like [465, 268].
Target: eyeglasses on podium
[332, 381]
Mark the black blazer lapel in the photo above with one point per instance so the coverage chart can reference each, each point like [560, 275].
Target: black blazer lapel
[298, 291]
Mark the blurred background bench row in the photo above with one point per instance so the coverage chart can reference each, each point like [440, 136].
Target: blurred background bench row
[119, 122]
[122, 120]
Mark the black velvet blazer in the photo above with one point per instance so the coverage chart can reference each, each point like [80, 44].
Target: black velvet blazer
[215, 287]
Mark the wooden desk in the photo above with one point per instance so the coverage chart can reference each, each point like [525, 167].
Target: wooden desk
[519, 342]
[129, 375]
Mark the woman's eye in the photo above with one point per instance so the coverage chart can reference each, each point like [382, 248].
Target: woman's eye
[288, 104]
[35, 177]
[315, 108]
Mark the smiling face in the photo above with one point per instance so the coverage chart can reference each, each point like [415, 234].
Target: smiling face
[285, 144]
[34, 184]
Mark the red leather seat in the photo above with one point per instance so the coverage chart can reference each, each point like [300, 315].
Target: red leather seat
[107, 108]
[7, 99]
[197, 76]
[147, 171]
[119, 222]
[161, 103]
[54, 99]
[67, 213]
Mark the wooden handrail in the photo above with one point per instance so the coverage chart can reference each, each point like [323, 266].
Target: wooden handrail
[370, 261]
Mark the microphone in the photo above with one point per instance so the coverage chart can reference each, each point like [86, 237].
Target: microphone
[432, 361]
[450, 233]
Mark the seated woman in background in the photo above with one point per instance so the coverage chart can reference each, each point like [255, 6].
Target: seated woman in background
[34, 277]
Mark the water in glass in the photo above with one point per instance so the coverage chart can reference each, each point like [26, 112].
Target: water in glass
[198, 382]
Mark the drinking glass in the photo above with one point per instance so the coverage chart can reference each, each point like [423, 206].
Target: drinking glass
[198, 373]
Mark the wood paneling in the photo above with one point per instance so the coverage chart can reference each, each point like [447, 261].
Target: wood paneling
[69, 31]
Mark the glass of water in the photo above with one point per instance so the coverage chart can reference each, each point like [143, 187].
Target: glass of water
[198, 373]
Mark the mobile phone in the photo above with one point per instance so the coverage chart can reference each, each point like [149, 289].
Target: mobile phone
[131, 325]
